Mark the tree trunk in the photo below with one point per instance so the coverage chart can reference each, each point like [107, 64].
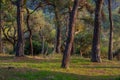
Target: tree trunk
[81, 54]
[0, 29]
[43, 45]
[20, 42]
[110, 54]
[14, 48]
[95, 56]
[30, 42]
[30, 33]
[72, 49]
[58, 32]
[70, 37]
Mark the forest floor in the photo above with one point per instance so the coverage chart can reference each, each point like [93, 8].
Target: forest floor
[48, 68]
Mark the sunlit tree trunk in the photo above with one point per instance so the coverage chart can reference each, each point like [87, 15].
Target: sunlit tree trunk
[70, 37]
[20, 42]
[42, 37]
[110, 54]
[72, 49]
[95, 55]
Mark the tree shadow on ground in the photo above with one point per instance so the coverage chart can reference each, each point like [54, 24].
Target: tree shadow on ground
[53, 61]
[33, 74]
[28, 59]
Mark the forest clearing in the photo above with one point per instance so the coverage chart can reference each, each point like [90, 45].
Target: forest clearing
[59, 39]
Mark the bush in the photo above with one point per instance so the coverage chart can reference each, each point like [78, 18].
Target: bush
[37, 47]
[104, 51]
[83, 42]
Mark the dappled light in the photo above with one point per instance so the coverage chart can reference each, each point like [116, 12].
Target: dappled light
[59, 39]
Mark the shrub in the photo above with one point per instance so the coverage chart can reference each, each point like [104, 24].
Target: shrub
[83, 42]
[37, 47]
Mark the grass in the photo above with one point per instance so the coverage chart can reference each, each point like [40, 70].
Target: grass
[40, 68]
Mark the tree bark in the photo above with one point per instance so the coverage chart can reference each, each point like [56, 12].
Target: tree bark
[81, 54]
[72, 49]
[43, 45]
[30, 32]
[95, 56]
[58, 32]
[110, 54]
[20, 42]
[0, 28]
[70, 37]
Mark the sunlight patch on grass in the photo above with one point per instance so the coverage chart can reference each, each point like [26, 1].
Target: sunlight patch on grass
[48, 68]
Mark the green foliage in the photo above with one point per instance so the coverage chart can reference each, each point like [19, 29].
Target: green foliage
[83, 43]
[37, 21]
[37, 47]
[104, 51]
[42, 23]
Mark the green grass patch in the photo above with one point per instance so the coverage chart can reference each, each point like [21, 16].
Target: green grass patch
[40, 68]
